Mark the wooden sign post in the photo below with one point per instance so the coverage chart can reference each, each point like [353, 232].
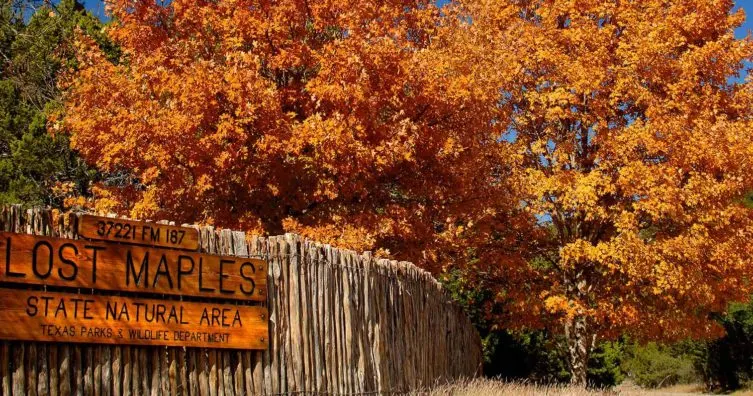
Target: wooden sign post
[125, 267]
[106, 266]
[138, 232]
[64, 317]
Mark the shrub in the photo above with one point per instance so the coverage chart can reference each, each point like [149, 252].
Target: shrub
[654, 365]
[604, 365]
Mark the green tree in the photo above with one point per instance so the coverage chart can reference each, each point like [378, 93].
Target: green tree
[656, 365]
[36, 44]
[727, 363]
[604, 364]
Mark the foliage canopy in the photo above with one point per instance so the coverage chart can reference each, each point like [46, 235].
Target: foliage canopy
[450, 137]
[36, 43]
[322, 118]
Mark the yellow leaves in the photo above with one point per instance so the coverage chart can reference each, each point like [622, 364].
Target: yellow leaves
[148, 206]
[580, 253]
[344, 236]
[599, 134]
[203, 184]
[631, 152]
[557, 305]
[105, 202]
[150, 175]
[274, 189]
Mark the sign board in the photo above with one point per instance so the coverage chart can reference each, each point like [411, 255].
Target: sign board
[138, 232]
[39, 260]
[103, 265]
[62, 317]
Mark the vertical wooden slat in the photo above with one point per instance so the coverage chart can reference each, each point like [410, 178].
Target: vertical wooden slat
[282, 301]
[213, 381]
[4, 370]
[246, 385]
[144, 371]
[272, 354]
[342, 302]
[19, 377]
[87, 353]
[304, 287]
[204, 370]
[227, 374]
[154, 373]
[117, 370]
[190, 372]
[228, 382]
[193, 371]
[77, 370]
[96, 351]
[319, 356]
[296, 380]
[31, 369]
[334, 317]
[327, 318]
[336, 301]
[54, 368]
[43, 379]
[127, 370]
[65, 377]
[220, 373]
[364, 327]
[135, 371]
[284, 294]
[346, 319]
[339, 323]
[106, 378]
[182, 371]
[164, 371]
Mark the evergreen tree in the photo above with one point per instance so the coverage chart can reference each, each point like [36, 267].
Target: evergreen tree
[36, 167]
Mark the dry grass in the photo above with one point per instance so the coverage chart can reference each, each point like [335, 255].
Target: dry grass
[486, 387]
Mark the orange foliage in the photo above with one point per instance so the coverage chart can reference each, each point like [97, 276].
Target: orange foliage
[632, 135]
[324, 118]
[445, 137]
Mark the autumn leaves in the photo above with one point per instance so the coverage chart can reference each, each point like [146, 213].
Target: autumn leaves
[604, 140]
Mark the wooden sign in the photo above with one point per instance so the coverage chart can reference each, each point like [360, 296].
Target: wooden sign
[41, 316]
[107, 266]
[138, 232]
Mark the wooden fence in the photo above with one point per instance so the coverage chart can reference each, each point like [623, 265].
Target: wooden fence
[340, 324]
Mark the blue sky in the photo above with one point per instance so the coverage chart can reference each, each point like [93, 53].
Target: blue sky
[747, 5]
[97, 7]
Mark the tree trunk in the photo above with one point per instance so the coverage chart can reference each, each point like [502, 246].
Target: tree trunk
[580, 336]
[579, 343]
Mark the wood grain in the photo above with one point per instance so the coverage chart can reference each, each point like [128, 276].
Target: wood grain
[40, 260]
[339, 323]
[62, 317]
[138, 232]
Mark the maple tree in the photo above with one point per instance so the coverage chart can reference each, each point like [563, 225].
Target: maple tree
[608, 139]
[631, 129]
[320, 118]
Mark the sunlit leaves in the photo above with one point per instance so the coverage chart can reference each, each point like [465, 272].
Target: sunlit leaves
[635, 142]
[328, 118]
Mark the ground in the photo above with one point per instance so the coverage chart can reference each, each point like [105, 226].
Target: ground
[486, 387]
